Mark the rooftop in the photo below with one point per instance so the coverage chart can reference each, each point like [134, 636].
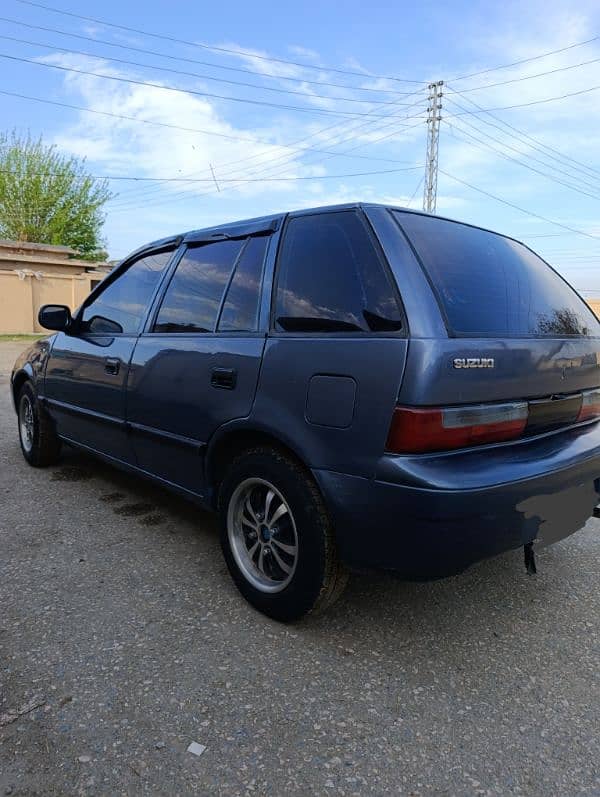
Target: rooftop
[26, 252]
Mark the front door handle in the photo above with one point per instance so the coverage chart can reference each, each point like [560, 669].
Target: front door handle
[224, 378]
[112, 365]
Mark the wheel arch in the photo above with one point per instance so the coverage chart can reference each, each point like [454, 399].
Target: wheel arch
[25, 374]
[228, 443]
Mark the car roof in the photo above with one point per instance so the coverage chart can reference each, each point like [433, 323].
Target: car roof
[245, 227]
[235, 229]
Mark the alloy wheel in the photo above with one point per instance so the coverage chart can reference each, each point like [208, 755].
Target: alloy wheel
[26, 423]
[262, 535]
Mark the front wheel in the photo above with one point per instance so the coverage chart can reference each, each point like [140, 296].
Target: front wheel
[39, 442]
[276, 536]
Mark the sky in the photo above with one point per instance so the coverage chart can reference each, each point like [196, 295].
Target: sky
[269, 107]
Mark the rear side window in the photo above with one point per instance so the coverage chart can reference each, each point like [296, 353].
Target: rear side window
[122, 305]
[330, 278]
[489, 285]
[192, 300]
[240, 309]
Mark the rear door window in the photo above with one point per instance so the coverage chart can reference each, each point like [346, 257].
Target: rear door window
[192, 300]
[331, 278]
[491, 286]
[240, 308]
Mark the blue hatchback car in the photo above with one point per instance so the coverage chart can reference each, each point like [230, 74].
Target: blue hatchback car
[354, 386]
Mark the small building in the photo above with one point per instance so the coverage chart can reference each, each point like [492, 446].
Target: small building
[35, 274]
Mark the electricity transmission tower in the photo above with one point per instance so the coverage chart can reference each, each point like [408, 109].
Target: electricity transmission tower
[434, 117]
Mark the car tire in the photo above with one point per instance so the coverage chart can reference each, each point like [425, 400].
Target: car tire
[277, 537]
[39, 442]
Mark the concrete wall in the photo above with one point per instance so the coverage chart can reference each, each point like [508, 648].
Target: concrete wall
[22, 295]
[35, 274]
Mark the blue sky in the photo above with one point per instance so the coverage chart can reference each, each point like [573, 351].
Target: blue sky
[348, 112]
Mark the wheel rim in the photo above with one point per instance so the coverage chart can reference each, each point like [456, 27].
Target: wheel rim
[26, 423]
[262, 535]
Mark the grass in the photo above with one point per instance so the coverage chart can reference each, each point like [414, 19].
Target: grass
[19, 338]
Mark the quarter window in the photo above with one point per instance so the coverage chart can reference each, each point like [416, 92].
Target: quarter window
[240, 309]
[193, 298]
[332, 279]
[121, 307]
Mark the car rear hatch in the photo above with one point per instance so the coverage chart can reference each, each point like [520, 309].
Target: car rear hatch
[521, 355]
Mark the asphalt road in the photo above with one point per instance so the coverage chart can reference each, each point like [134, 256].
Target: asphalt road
[119, 621]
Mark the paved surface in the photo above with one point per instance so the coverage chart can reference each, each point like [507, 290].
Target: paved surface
[117, 616]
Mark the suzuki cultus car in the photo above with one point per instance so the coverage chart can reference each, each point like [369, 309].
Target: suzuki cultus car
[349, 387]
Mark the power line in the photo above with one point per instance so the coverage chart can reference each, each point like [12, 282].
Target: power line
[262, 168]
[593, 186]
[482, 144]
[249, 54]
[538, 144]
[549, 235]
[289, 157]
[221, 179]
[303, 94]
[526, 104]
[357, 126]
[185, 195]
[517, 207]
[574, 260]
[213, 48]
[187, 91]
[211, 64]
[174, 127]
[571, 250]
[294, 146]
[528, 77]
[516, 63]
[414, 193]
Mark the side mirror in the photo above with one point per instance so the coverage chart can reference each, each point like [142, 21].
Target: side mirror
[55, 316]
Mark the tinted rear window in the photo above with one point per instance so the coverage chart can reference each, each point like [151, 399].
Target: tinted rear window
[489, 285]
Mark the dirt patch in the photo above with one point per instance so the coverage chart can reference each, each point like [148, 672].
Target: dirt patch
[152, 520]
[133, 510]
[71, 473]
[112, 498]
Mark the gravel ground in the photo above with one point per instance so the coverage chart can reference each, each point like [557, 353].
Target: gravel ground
[119, 622]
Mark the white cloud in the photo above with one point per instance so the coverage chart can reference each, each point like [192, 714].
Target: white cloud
[304, 52]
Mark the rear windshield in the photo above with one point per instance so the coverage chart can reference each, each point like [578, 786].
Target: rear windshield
[489, 285]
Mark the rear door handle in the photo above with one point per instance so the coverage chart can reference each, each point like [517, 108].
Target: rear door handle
[225, 378]
[112, 365]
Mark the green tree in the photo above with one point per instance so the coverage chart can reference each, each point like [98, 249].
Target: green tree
[46, 197]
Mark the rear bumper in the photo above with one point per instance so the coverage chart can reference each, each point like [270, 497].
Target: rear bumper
[423, 532]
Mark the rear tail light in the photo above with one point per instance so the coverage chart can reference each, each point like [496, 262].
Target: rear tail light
[439, 429]
[590, 405]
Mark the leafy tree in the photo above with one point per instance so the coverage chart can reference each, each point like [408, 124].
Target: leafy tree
[46, 197]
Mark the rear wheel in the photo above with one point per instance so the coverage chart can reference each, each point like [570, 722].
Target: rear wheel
[276, 536]
[39, 442]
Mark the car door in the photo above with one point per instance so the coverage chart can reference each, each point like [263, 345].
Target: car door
[196, 365]
[336, 351]
[87, 369]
